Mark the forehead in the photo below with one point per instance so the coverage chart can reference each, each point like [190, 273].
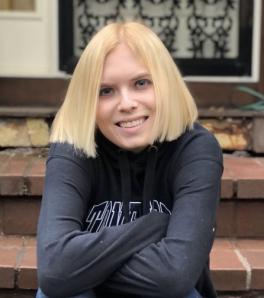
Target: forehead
[122, 60]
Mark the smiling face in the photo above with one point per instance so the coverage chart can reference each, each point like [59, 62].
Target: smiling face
[126, 106]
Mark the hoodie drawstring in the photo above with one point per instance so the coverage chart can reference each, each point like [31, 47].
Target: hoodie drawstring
[126, 184]
[148, 189]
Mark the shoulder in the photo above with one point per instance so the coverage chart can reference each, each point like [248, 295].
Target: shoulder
[196, 144]
[65, 150]
[66, 153]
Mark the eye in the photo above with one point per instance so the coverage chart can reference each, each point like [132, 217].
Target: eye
[106, 91]
[142, 83]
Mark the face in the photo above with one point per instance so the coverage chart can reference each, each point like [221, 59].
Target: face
[126, 106]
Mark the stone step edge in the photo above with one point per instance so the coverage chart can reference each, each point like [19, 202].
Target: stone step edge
[22, 173]
[21, 111]
[236, 264]
[50, 111]
[28, 111]
[233, 134]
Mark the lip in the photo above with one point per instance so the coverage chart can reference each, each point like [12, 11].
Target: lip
[132, 120]
[134, 129]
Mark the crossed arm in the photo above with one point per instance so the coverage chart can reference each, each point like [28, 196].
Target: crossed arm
[171, 267]
[71, 260]
[156, 255]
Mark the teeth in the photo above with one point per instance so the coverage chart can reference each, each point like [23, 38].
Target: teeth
[133, 123]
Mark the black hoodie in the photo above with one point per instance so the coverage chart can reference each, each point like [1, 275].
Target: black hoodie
[127, 224]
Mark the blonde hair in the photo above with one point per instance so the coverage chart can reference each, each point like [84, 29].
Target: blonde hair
[176, 111]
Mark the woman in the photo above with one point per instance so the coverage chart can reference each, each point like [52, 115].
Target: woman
[132, 182]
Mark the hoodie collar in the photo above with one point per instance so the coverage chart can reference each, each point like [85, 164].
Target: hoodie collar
[146, 160]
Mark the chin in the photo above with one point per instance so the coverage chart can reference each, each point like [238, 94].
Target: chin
[134, 147]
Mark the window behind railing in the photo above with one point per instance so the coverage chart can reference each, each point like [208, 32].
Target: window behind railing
[205, 37]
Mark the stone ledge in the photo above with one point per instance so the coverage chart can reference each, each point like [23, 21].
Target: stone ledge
[24, 132]
[27, 111]
[22, 174]
[236, 265]
[235, 129]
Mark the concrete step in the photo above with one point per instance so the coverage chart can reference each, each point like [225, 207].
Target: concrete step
[237, 266]
[22, 171]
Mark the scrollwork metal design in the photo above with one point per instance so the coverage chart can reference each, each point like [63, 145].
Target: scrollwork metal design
[189, 28]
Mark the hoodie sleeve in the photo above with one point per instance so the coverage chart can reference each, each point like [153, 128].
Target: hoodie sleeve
[70, 259]
[171, 267]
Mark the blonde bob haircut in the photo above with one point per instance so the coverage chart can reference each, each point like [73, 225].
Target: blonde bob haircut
[176, 111]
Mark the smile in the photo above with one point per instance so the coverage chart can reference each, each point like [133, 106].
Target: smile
[133, 123]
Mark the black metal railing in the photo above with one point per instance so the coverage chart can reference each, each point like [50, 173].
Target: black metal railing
[205, 37]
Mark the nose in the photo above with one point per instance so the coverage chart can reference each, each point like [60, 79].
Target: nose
[127, 102]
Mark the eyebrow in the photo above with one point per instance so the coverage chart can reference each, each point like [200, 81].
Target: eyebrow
[134, 78]
[141, 75]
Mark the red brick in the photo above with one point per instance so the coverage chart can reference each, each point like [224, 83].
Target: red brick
[35, 176]
[249, 174]
[11, 242]
[7, 276]
[1, 216]
[228, 273]
[3, 161]
[30, 241]
[241, 166]
[27, 275]
[8, 257]
[37, 168]
[225, 221]
[222, 244]
[251, 188]
[25, 175]
[260, 160]
[256, 263]
[21, 216]
[250, 244]
[12, 185]
[250, 219]
[11, 179]
[227, 185]
[17, 293]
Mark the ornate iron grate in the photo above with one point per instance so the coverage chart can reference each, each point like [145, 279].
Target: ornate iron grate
[205, 37]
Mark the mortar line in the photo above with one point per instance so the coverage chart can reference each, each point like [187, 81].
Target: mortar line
[246, 264]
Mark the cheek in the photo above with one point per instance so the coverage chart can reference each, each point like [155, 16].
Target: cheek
[103, 114]
[101, 109]
[99, 115]
[152, 101]
[151, 96]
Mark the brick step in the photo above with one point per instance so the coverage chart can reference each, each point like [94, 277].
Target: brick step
[22, 171]
[236, 218]
[237, 266]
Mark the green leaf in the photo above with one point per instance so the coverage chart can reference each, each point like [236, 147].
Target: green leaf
[251, 92]
[256, 106]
